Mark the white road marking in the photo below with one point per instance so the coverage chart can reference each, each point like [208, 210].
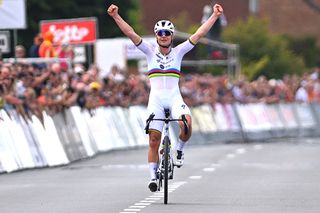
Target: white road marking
[209, 169]
[132, 210]
[230, 156]
[240, 151]
[195, 177]
[139, 207]
[142, 204]
[147, 201]
[153, 198]
[156, 196]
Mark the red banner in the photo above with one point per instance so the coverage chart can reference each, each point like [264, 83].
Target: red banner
[73, 31]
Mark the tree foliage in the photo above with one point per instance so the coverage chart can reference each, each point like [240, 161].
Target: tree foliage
[65, 9]
[306, 47]
[262, 52]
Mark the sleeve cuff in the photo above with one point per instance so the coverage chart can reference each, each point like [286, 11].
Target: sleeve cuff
[192, 42]
[139, 43]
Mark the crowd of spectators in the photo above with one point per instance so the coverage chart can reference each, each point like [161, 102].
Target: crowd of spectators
[31, 88]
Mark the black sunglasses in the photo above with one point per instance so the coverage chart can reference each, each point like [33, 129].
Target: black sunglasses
[164, 33]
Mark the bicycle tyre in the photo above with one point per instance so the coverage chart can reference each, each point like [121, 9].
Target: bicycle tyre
[166, 142]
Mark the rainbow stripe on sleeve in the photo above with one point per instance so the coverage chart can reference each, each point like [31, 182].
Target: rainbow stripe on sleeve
[159, 73]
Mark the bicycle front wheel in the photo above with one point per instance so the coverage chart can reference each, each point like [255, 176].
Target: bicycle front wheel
[166, 142]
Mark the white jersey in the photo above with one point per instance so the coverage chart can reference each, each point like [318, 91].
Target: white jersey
[164, 73]
[164, 70]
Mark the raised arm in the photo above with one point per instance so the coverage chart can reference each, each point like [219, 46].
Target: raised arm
[123, 25]
[205, 27]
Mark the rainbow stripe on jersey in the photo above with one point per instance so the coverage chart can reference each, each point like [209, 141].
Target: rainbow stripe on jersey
[160, 73]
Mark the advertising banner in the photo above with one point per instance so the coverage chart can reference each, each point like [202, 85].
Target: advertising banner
[247, 117]
[225, 117]
[204, 117]
[274, 116]
[305, 115]
[97, 126]
[4, 41]
[137, 117]
[288, 115]
[8, 157]
[19, 142]
[12, 14]
[74, 31]
[86, 136]
[69, 135]
[49, 141]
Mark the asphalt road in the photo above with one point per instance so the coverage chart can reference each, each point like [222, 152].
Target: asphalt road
[279, 176]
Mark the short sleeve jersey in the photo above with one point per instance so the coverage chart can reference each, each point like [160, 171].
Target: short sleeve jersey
[164, 70]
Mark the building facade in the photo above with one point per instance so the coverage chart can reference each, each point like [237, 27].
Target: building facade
[294, 17]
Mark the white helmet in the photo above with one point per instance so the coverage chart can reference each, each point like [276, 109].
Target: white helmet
[164, 25]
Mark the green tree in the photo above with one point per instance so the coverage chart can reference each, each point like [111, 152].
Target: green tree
[306, 47]
[262, 52]
[64, 9]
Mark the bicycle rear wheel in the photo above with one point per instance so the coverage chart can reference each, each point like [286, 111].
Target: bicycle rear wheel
[166, 142]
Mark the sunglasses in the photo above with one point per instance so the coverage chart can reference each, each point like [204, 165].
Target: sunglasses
[164, 33]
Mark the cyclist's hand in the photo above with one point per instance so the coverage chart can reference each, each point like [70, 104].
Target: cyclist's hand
[113, 10]
[217, 9]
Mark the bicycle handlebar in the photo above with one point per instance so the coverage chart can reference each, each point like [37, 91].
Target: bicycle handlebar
[166, 120]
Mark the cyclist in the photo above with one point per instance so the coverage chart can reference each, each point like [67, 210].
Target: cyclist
[164, 62]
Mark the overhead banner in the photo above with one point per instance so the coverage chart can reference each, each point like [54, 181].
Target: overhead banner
[12, 14]
[73, 31]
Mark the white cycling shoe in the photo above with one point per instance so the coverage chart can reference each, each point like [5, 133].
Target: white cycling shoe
[179, 159]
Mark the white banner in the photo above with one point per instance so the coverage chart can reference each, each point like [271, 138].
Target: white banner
[225, 117]
[137, 117]
[203, 116]
[12, 14]
[8, 157]
[49, 141]
[305, 115]
[247, 117]
[98, 127]
[274, 116]
[117, 51]
[289, 119]
[85, 134]
[4, 41]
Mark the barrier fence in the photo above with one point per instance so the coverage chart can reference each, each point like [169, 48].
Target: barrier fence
[75, 134]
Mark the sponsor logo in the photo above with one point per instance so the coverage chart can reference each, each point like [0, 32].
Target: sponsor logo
[74, 31]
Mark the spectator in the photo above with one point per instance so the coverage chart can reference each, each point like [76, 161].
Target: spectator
[20, 51]
[46, 49]
[115, 74]
[215, 32]
[65, 51]
[302, 93]
[34, 49]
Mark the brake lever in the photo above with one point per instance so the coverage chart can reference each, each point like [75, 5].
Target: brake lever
[185, 123]
[148, 122]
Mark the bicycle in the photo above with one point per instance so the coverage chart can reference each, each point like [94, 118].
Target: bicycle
[166, 165]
